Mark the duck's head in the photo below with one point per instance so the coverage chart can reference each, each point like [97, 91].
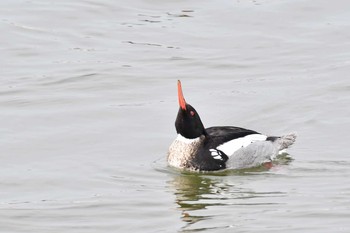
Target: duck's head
[188, 123]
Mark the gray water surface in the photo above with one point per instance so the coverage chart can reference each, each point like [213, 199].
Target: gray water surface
[88, 102]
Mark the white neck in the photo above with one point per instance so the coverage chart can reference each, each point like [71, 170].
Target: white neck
[187, 140]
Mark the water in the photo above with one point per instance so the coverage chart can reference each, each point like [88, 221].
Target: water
[88, 103]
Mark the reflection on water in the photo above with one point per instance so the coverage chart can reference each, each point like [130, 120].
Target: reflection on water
[195, 193]
[189, 192]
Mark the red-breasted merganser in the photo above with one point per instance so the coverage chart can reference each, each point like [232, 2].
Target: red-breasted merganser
[216, 148]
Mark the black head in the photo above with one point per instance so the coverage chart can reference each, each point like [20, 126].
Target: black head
[188, 123]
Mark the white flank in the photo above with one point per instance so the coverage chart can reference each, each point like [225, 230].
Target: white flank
[230, 147]
[187, 140]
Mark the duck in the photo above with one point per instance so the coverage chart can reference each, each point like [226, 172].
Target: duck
[216, 148]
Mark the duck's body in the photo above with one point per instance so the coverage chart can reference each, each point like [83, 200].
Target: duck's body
[215, 148]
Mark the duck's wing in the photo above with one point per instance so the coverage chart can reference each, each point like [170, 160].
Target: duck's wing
[229, 139]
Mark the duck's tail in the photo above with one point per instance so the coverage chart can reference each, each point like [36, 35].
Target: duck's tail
[260, 152]
[283, 142]
[286, 140]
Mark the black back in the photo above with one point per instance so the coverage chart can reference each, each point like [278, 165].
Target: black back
[221, 134]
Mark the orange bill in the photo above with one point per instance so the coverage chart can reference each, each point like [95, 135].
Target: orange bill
[182, 101]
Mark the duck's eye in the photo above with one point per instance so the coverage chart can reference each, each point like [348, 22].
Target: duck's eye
[192, 113]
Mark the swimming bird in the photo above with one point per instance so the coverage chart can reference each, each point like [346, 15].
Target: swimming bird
[220, 147]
